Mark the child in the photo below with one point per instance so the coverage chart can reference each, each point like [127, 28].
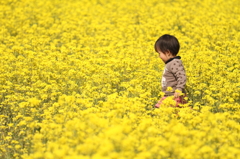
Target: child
[174, 76]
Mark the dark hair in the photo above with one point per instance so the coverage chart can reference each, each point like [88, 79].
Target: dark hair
[167, 43]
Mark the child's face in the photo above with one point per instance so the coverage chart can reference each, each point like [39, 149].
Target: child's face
[165, 56]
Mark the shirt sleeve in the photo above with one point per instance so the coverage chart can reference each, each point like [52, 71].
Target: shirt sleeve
[178, 71]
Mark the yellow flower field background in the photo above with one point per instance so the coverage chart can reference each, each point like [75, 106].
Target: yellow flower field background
[80, 78]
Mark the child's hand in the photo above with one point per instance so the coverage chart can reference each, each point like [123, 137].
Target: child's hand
[177, 94]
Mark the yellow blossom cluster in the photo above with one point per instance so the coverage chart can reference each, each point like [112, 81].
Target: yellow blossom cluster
[80, 78]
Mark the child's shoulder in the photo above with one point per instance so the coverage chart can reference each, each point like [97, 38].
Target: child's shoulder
[175, 64]
[177, 60]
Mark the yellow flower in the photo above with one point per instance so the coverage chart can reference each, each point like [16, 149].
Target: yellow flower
[79, 79]
[169, 89]
[34, 101]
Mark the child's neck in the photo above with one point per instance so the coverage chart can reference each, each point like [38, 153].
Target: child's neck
[171, 58]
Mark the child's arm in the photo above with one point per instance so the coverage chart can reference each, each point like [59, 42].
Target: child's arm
[178, 71]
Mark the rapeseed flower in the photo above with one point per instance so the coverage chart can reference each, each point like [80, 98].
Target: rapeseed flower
[79, 79]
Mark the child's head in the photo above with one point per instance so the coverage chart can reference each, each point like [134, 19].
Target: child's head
[167, 44]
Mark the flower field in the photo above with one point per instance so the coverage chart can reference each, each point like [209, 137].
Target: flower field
[79, 79]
